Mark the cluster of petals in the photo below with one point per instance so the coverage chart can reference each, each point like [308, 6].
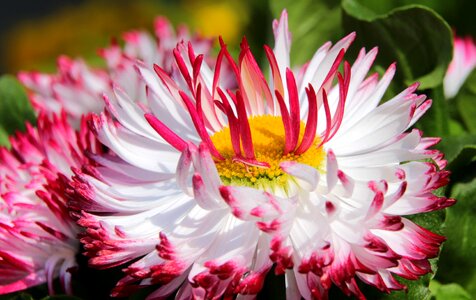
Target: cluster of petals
[158, 205]
[77, 88]
[38, 238]
[461, 66]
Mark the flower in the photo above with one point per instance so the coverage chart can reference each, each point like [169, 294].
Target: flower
[77, 88]
[462, 64]
[38, 240]
[206, 188]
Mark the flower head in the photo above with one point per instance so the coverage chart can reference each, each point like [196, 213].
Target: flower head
[78, 88]
[462, 64]
[74, 89]
[37, 236]
[209, 187]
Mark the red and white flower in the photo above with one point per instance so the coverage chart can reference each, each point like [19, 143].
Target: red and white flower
[78, 88]
[209, 187]
[38, 238]
[462, 64]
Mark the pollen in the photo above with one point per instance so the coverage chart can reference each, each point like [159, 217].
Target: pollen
[268, 137]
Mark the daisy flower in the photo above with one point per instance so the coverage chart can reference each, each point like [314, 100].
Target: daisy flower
[208, 187]
[38, 238]
[462, 64]
[77, 88]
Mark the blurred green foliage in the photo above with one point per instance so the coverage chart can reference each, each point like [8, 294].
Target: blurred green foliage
[15, 108]
[450, 291]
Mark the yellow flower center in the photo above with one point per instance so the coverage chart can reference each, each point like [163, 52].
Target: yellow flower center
[268, 141]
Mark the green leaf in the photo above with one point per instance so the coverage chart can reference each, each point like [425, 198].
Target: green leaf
[467, 109]
[15, 107]
[417, 37]
[456, 128]
[3, 137]
[436, 121]
[459, 151]
[312, 23]
[457, 258]
[465, 100]
[451, 291]
[471, 82]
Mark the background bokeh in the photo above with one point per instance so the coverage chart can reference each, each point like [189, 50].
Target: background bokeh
[33, 33]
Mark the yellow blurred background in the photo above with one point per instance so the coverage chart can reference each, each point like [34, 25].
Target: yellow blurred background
[34, 32]
[32, 41]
